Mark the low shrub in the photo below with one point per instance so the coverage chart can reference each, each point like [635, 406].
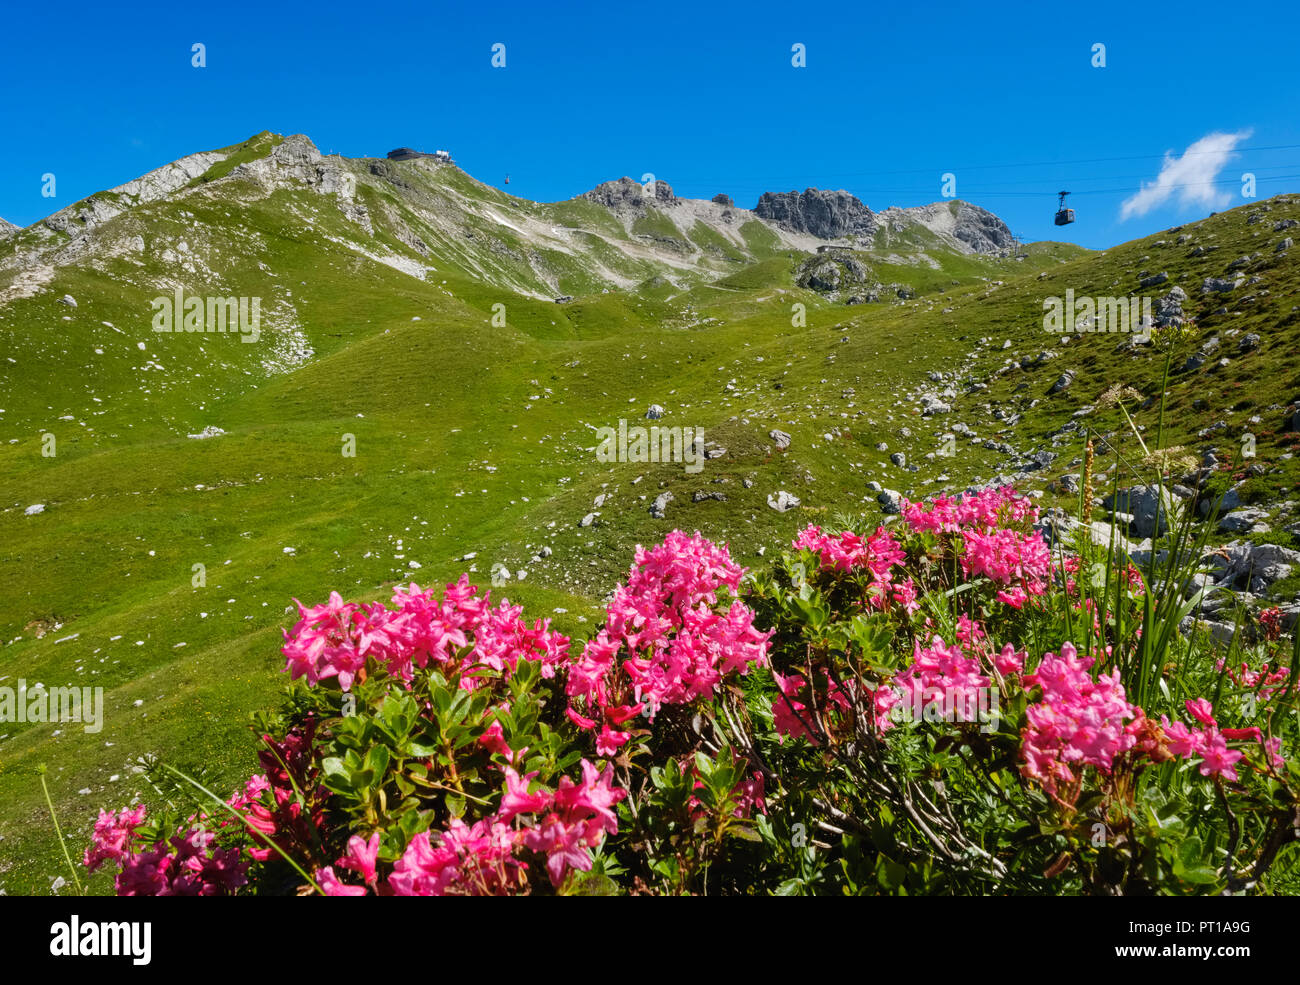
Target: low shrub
[938, 706]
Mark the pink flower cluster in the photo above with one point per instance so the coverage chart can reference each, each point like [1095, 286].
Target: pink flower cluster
[183, 865]
[458, 632]
[678, 647]
[943, 672]
[995, 542]
[272, 803]
[1265, 682]
[467, 860]
[113, 837]
[982, 511]
[1270, 621]
[1019, 561]
[878, 554]
[951, 676]
[1211, 743]
[1079, 721]
[845, 551]
[482, 859]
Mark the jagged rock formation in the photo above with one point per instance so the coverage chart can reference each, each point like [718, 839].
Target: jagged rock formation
[7, 229]
[824, 214]
[838, 215]
[626, 195]
[832, 271]
[297, 159]
[969, 227]
[94, 211]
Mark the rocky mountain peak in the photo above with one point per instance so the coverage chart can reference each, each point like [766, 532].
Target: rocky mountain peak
[626, 195]
[824, 214]
[7, 229]
[970, 228]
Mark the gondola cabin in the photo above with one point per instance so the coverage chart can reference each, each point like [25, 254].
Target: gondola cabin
[1064, 216]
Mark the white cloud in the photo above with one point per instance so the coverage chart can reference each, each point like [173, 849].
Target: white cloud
[1192, 176]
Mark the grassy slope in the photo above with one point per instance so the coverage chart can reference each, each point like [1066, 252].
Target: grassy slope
[470, 438]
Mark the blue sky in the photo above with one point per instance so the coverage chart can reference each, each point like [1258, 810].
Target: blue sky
[702, 95]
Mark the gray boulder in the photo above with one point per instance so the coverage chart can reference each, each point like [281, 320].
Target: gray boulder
[1169, 308]
[1217, 285]
[660, 505]
[782, 501]
[891, 502]
[1150, 505]
[1063, 382]
[1244, 520]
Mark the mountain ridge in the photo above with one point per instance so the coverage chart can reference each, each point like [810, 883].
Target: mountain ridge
[666, 222]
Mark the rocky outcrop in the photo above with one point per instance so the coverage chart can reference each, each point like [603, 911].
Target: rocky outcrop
[626, 195]
[297, 159]
[981, 230]
[94, 211]
[968, 227]
[1152, 508]
[7, 229]
[1169, 308]
[837, 215]
[831, 271]
[824, 214]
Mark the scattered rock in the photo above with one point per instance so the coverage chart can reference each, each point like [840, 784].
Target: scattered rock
[1217, 285]
[1150, 505]
[1063, 382]
[890, 501]
[1248, 519]
[782, 501]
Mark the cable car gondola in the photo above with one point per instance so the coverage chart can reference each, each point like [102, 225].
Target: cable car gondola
[1064, 216]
